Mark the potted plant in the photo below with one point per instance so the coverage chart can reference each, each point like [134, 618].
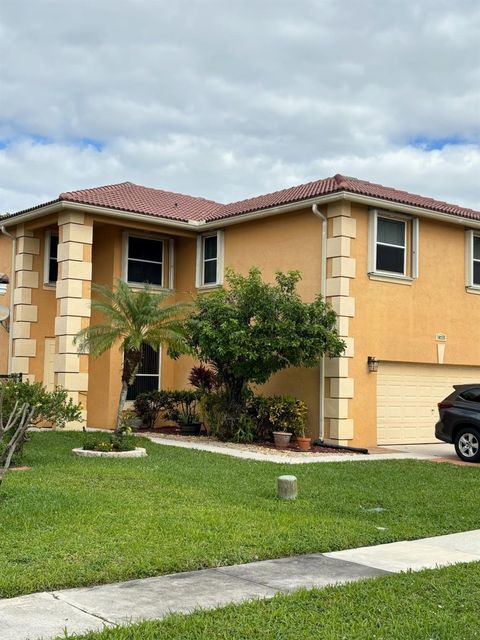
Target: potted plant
[184, 412]
[285, 415]
[303, 442]
[279, 414]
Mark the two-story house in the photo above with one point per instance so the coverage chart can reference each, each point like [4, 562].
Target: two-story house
[402, 272]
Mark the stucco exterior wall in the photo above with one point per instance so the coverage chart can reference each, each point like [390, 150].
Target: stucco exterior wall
[281, 243]
[398, 322]
[107, 260]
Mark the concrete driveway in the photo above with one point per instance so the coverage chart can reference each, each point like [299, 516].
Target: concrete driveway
[438, 452]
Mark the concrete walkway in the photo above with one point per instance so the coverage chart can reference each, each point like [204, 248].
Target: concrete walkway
[48, 615]
[404, 452]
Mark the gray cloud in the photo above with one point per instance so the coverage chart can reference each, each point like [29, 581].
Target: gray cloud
[231, 99]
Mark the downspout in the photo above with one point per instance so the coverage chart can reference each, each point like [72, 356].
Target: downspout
[12, 289]
[323, 289]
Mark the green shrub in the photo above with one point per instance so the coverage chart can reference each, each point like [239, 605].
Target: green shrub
[184, 407]
[52, 407]
[37, 406]
[278, 413]
[149, 406]
[109, 442]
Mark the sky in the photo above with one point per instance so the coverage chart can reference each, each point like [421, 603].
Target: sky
[228, 99]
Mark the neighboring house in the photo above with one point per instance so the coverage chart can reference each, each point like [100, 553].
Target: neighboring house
[401, 271]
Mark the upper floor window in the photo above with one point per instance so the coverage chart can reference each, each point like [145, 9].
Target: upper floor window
[50, 265]
[393, 245]
[476, 260]
[210, 260]
[391, 249]
[472, 259]
[143, 260]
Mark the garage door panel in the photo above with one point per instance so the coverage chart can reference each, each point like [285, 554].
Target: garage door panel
[407, 397]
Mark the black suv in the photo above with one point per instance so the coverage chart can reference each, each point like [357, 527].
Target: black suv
[460, 421]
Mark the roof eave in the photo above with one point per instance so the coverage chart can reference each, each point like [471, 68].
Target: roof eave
[133, 216]
[370, 201]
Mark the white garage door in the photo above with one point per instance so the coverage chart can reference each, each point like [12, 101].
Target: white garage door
[407, 397]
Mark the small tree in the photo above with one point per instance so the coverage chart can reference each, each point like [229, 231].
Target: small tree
[251, 330]
[132, 318]
[23, 405]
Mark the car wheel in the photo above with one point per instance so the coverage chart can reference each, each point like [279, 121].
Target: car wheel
[467, 444]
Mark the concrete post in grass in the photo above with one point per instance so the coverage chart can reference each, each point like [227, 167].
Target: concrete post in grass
[287, 487]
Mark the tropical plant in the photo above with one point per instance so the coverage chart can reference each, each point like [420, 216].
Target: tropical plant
[132, 318]
[184, 407]
[149, 406]
[250, 330]
[203, 378]
[280, 413]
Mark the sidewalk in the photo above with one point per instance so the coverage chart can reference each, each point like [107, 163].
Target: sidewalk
[48, 615]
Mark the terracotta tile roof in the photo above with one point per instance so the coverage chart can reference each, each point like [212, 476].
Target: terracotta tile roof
[127, 196]
[337, 184]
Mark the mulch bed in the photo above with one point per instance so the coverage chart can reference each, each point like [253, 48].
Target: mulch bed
[266, 447]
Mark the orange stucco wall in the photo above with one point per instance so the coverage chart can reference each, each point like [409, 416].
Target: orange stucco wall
[104, 372]
[397, 322]
[282, 243]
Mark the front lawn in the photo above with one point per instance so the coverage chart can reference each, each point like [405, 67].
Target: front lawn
[432, 605]
[81, 521]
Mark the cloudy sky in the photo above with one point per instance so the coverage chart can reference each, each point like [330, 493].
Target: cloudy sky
[232, 98]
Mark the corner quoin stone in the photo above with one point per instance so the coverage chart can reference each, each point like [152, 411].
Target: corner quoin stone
[287, 487]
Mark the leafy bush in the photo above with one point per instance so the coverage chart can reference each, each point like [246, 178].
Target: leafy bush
[184, 407]
[250, 330]
[149, 406]
[22, 405]
[181, 406]
[52, 407]
[116, 441]
[278, 413]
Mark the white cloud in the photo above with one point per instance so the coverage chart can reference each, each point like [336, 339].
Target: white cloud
[232, 99]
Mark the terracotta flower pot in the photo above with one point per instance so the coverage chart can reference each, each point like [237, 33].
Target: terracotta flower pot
[281, 439]
[303, 444]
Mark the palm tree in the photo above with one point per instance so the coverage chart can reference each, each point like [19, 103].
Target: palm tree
[132, 318]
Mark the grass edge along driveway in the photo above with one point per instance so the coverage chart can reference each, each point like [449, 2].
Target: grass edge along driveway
[82, 521]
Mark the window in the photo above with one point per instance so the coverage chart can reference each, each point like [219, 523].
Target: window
[50, 268]
[393, 246]
[210, 260]
[472, 395]
[472, 260]
[476, 260]
[144, 260]
[148, 376]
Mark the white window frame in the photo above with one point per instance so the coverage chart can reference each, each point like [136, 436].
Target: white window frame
[46, 258]
[375, 273]
[151, 375]
[470, 285]
[200, 262]
[125, 258]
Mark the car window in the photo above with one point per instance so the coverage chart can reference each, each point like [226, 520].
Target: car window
[472, 395]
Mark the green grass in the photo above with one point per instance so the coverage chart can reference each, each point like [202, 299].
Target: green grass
[81, 521]
[432, 605]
